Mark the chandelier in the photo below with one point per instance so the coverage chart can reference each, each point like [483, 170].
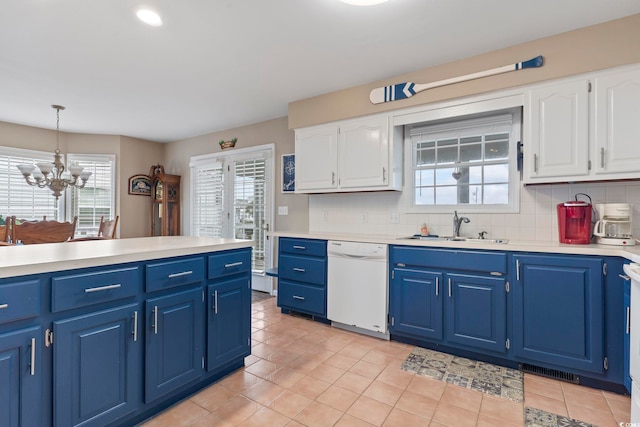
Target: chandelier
[52, 175]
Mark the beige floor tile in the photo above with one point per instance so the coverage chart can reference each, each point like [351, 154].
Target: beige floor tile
[318, 415]
[183, 414]
[338, 398]
[366, 369]
[263, 392]
[543, 387]
[310, 387]
[327, 373]
[427, 387]
[383, 392]
[262, 350]
[282, 357]
[294, 423]
[350, 421]
[620, 406]
[450, 415]
[569, 387]
[213, 396]
[417, 404]
[586, 398]
[285, 376]
[341, 361]
[487, 421]
[262, 369]
[395, 377]
[355, 350]
[353, 382]
[545, 403]
[237, 409]
[370, 410]
[211, 420]
[378, 357]
[399, 418]
[502, 409]
[592, 416]
[289, 403]
[240, 380]
[265, 417]
[462, 397]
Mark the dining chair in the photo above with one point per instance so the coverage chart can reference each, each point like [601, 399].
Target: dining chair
[31, 232]
[108, 228]
[5, 229]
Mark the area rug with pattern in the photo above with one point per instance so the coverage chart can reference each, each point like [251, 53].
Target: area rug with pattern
[539, 418]
[480, 376]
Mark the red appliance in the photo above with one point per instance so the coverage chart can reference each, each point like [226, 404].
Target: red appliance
[574, 222]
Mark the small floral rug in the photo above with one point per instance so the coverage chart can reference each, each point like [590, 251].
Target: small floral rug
[539, 418]
[480, 376]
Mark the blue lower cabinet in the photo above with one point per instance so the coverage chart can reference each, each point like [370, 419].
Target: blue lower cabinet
[559, 311]
[228, 321]
[21, 378]
[174, 336]
[96, 359]
[477, 311]
[627, 337]
[416, 304]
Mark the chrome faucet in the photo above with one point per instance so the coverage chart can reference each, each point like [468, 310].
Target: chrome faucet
[457, 222]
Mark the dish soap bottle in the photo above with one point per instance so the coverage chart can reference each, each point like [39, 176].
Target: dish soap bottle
[424, 230]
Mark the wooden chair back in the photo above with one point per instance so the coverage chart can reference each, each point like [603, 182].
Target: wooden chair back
[108, 228]
[43, 231]
[5, 230]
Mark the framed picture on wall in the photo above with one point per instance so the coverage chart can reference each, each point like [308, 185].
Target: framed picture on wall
[288, 173]
[140, 185]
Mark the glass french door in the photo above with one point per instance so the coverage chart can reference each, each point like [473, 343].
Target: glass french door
[233, 198]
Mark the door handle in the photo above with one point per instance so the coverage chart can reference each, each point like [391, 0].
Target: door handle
[449, 287]
[135, 326]
[155, 320]
[32, 370]
[215, 302]
[437, 286]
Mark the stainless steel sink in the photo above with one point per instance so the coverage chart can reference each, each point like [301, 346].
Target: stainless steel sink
[455, 239]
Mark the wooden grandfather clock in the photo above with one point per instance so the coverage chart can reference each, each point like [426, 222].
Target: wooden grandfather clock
[165, 200]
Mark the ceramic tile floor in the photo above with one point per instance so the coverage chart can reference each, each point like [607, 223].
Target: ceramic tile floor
[304, 373]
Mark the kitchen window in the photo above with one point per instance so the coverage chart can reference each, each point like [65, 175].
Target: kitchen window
[465, 163]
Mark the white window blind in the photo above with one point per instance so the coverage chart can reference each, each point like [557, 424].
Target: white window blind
[249, 205]
[19, 199]
[208, 200]
[97, 198]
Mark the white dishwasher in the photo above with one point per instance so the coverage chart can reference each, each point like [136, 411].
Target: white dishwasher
[357, 291]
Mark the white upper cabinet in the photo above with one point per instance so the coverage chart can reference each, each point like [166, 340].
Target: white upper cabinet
[583, 129]
[617, 127]
[354, 155]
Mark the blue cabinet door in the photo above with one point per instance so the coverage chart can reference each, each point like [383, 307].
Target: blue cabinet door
[558, 311]
[416, 303]
[627, 338]
[21, 378]
[174, 336]
[477, 311]
[95, 367]
[228, 319]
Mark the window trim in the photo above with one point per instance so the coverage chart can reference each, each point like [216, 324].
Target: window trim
[450, 113]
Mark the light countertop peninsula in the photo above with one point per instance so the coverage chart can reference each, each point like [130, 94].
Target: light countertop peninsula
[48, 257]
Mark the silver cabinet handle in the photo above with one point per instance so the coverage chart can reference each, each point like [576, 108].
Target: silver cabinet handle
[4, 306]
[437, 286]
[602, 157]
[135, 326]
[182, 273]
[299, 270]
[298, 297]
[33, 356]
[384, 174]
[517, 269]
[103, 288]
[302, 248]
[215, 302]
[449, 287]
[155, 320]
[233, 264]
[628, 328]
[333, 178]
[535, 163]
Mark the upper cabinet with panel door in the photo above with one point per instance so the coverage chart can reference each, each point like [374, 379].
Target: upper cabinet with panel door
[354, 155]
[583, 129]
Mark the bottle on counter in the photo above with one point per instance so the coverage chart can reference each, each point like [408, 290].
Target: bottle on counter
[424, 230]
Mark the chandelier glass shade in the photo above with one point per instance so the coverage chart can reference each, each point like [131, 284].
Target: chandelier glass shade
[54, 175]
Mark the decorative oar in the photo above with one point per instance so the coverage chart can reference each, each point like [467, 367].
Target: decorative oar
[408, 89]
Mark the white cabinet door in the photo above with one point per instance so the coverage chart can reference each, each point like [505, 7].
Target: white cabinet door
[617, 124]
[317, 159]
[363, 153]
[558, 132]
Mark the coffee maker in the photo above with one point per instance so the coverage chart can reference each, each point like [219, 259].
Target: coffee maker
[574, 222]
[615, 225]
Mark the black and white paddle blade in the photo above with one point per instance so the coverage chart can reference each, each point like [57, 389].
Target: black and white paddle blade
[408, 89]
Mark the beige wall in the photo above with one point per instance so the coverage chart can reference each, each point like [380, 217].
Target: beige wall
[178, 155]
[133, 156]
[591, 48]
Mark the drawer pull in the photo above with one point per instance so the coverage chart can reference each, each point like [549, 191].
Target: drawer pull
[298, 297]
[233, 264]
[628, 327]
[182, 273]
[103, 288]
[215, 302]
[300, 270]
[33, 357]
[135, 326]
[302, 248]
[4, 306]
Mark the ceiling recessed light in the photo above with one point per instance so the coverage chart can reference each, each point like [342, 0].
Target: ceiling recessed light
[363, 2]
[149, 17]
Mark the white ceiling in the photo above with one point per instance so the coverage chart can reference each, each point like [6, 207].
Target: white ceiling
[220, 64]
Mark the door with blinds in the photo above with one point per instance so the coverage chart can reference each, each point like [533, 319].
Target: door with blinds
[232, 197]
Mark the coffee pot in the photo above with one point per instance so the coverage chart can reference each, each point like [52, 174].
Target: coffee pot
[615, 224]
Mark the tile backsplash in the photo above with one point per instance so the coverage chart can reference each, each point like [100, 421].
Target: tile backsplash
[381, 213]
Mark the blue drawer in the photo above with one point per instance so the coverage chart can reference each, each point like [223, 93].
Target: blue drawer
[171, 274]
[304, 298]
[19, 300]
[80, 290]
[226, 263]
[452, 259]
[303, 269]
[308, 247]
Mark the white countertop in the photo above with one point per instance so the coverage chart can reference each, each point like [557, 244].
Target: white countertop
[42, 258]
[629, 252]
